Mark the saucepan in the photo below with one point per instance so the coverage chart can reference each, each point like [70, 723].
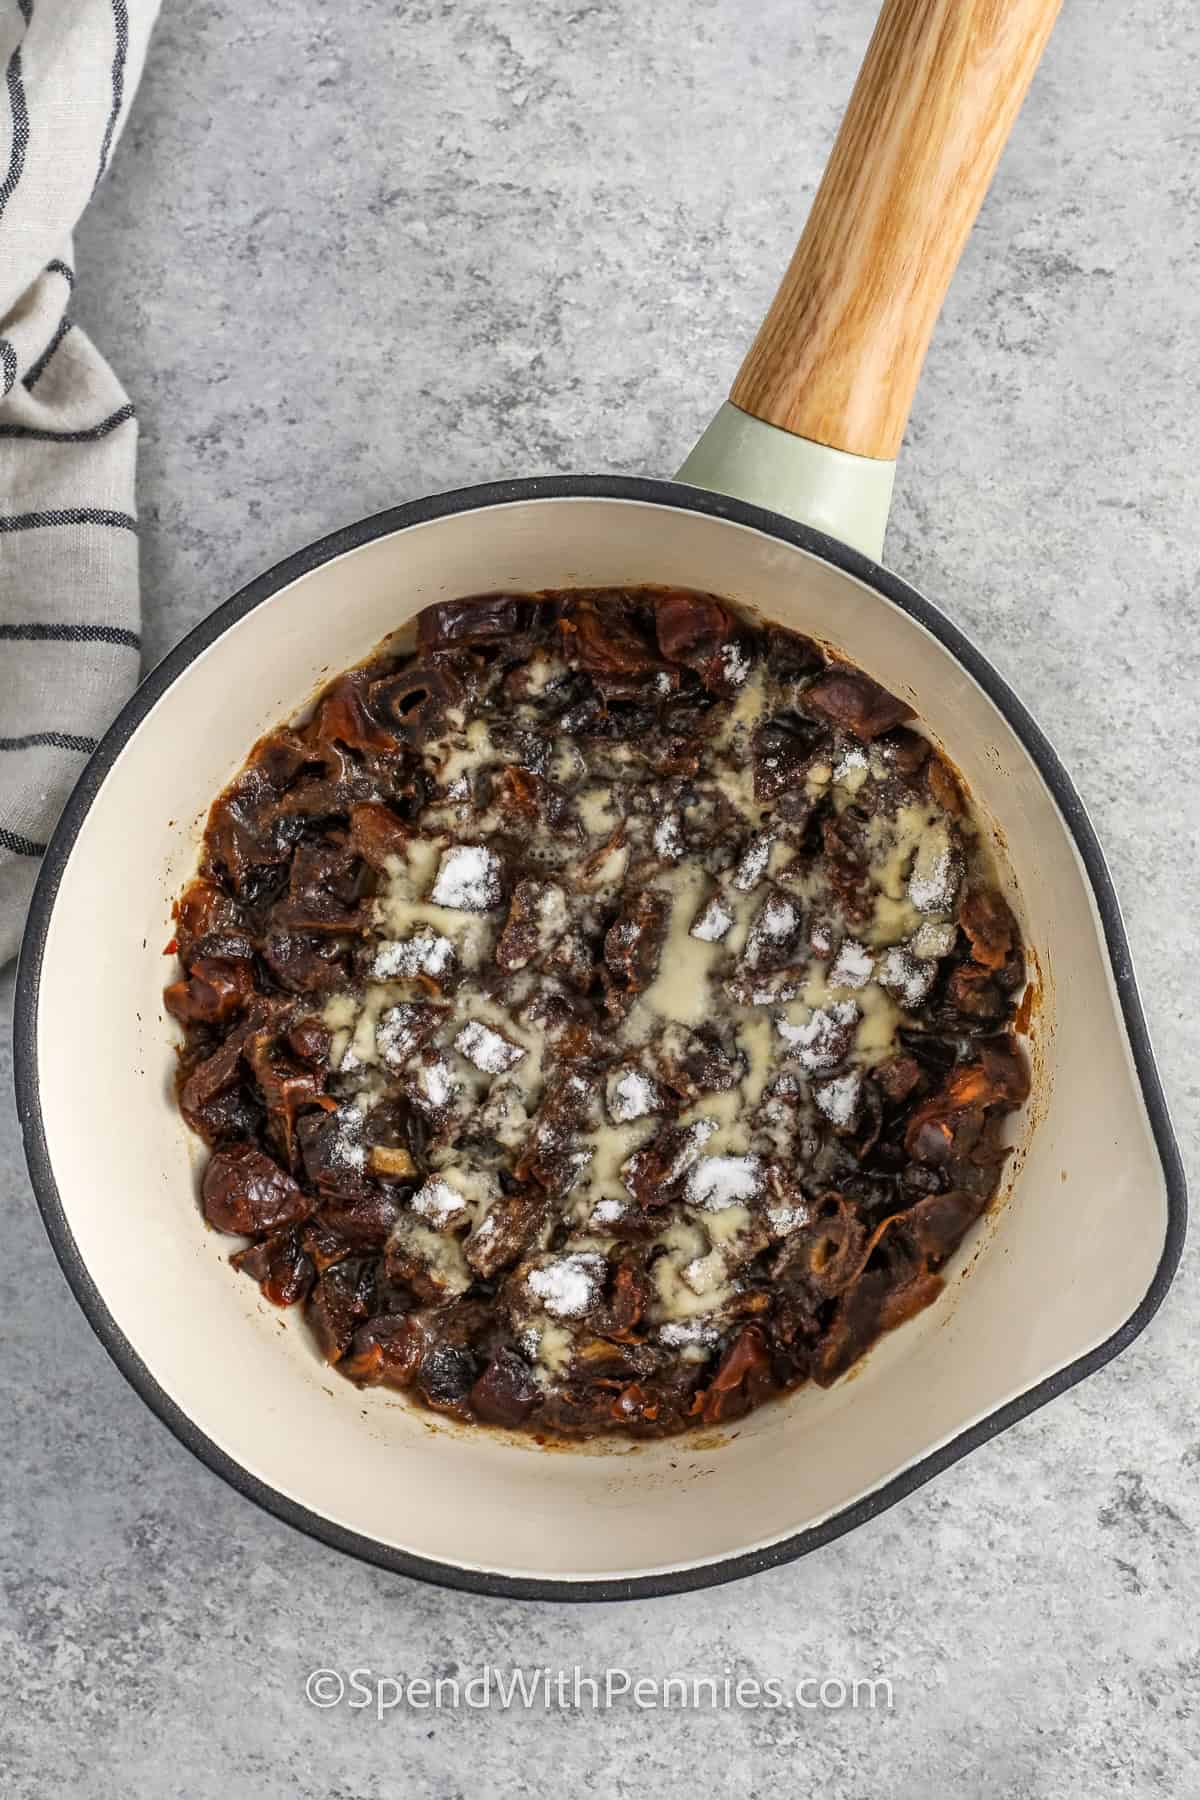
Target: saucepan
[781, 508]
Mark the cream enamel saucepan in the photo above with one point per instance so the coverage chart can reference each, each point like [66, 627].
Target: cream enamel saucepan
[782, 508]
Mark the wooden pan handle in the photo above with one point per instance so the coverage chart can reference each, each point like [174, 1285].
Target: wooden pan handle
[840, 352]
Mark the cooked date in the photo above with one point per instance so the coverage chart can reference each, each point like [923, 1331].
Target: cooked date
[245, 1191]
[601, 1018]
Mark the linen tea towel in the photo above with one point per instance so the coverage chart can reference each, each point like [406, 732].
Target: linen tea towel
[69, 612]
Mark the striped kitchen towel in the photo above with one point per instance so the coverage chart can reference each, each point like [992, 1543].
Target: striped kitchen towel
[69, 613]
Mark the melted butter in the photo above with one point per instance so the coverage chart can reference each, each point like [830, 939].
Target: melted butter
[916, 836]
[375, 1001]
[737, 785]
[680, 990]
[875, 1036]
[744, 907]
[541, 670]
[728, 1226]
[754, 1041]
[895, 841]
[353, 1020]
[596, 809]
[567, 763]
[476, 751]
[606, 873]
[745, 712]
[730, 1137]
[730, 1111]
[893, 920]
[875, 1033]
[411, 873]
[686, 1246]
[555, 1348]
[441, 1252]
[339, 1011]
[610, 1146]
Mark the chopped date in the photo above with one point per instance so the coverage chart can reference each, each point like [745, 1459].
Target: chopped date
[851, 700]
[987, 919]
[283, 1269]
[303, 964]
[634, 941]
[309, 1039]
[344, 716]
[344, 1294]
[445, 1376]
[783, 749]
[653, 1174]
[506, 1393]
[492, 619]
[601, 1018]
[405, 1028]
[506, 1231]
[365, 1220]
[386, 1351]
[694, 1062]
[537, 918]
[743, 1377]
[203, 910]
[377, 834]
[694, 629]
[245, 1191]
[605, 640]
[216, 990]
[413, 701]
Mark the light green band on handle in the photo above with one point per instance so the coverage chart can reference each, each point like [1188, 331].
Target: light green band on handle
[847, 496]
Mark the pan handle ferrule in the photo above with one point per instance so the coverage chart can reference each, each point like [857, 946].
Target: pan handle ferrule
[844, 495]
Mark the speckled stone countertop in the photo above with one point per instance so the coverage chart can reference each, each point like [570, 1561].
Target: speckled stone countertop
[347, 256]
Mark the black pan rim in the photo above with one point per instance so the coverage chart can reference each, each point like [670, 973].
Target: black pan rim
[729, 1568]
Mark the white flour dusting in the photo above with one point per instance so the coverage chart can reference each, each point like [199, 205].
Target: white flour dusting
[783, 1219]
[425, 953]
[838, 1099]
[399, 1033]
[853, 966]
[906, 976]
[933, 883]
[668, 839]
[735, 664]
[567, 1288]
[779, 917]
[823, 1041]
[433, 1082]
[930, 941]
[630, 1097]
[468, 879]
[346, 1149]
[717, 1182]
[489, 1050]
[437, 1201]
[712, 924]
[753, 864]
[688, 1331]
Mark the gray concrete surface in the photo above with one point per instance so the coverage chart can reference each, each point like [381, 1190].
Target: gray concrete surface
[346, 256]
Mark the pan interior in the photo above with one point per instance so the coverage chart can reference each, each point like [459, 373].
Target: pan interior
[1063, 1262]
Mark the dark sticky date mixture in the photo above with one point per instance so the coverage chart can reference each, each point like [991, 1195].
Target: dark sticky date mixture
[600, 1017]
